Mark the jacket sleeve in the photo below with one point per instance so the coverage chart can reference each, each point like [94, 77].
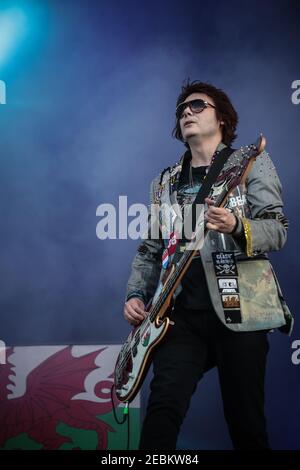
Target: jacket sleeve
[146, 265]
[266, 230]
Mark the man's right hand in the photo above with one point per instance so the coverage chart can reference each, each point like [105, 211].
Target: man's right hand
[134, 311]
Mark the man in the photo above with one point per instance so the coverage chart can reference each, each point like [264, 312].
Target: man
[220, 320]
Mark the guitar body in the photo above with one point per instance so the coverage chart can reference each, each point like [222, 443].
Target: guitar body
[135, 356]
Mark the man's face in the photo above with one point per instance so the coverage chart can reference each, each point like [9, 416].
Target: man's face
[203, 124]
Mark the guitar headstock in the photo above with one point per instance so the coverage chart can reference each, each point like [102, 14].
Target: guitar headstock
[260, 144]
[242, 160]
[236, 169]
[248, 155]
[256, 148]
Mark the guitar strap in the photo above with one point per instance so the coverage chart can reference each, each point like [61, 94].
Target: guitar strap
[215, 169]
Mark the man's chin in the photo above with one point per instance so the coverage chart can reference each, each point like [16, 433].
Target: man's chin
[190, 134]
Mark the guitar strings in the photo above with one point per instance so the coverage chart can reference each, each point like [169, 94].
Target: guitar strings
[156, 307]
[154, 310]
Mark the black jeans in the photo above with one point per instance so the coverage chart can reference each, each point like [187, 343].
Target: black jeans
[196, 342]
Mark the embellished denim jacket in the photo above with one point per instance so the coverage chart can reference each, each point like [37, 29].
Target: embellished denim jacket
[261, 228]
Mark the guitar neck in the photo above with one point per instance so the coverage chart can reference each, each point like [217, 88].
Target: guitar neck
[181, 267]
[179, 270]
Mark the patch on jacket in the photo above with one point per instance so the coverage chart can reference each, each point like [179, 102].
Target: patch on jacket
[227, 278]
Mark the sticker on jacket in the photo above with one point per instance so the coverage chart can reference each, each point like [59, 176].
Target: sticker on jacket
[170, 250]
[224, 263]
[227, 277]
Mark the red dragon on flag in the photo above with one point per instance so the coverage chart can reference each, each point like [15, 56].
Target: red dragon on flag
[52, 396]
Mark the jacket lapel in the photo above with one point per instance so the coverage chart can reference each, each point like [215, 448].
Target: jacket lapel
[175, 173]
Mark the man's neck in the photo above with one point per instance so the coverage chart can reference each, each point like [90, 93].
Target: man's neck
[203, 151]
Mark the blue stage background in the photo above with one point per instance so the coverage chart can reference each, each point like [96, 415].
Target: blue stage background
[91, 88]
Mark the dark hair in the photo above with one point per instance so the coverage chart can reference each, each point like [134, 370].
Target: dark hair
[224, 109]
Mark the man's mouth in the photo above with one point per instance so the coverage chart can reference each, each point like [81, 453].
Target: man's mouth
[187, 123]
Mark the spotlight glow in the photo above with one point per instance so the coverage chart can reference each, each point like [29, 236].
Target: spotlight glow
[13, 25]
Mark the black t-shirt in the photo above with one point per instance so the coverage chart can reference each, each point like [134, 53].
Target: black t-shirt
[194, 294]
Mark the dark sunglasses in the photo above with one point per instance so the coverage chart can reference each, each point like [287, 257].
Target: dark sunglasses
[196, 106]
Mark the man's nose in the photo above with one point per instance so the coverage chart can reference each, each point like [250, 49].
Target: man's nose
[187, 111]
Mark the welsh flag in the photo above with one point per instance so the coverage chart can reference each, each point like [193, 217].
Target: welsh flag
[59, 397]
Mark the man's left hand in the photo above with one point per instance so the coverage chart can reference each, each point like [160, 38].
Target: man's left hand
[219, 218]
